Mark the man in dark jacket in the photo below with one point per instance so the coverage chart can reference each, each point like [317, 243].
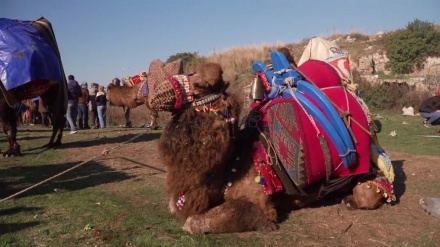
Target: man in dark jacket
[73, 93]
[430, 109]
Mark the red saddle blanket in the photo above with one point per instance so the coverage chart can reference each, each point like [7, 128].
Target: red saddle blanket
[302, 146]
[133, 80]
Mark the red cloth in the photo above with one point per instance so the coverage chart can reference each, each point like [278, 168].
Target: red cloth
[320, 73]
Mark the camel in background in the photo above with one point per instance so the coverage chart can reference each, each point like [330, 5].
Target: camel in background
[135, 90]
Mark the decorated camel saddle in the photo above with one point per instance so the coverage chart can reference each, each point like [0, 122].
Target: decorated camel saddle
[317, 127]
[139, 81]
[27, 71]
[156, 73]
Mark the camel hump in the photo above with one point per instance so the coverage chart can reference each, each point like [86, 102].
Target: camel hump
[173, 68]
[159, 70]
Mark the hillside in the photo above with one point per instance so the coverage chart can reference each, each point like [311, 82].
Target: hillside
[363, 50]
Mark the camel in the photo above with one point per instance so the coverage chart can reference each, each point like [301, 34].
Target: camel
[128, 98]
[53, 92]
[135, 90]
[225, 177]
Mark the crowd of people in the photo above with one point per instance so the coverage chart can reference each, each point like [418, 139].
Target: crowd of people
[81, 101]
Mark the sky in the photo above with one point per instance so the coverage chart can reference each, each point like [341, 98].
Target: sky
[103, 39]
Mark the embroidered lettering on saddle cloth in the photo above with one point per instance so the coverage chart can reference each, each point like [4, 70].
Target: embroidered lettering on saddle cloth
[267, 176]
[186, 86]
[265, 81]
[182, 89]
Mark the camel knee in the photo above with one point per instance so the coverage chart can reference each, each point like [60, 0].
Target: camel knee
[172, 206]
[232, 216]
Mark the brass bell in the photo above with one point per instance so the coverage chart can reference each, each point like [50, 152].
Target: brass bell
[256, 89]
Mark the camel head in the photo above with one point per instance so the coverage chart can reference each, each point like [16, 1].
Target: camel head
[181, 91]
[109, 91]
[116, 82]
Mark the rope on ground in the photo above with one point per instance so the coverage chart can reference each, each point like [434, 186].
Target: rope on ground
[103, 153]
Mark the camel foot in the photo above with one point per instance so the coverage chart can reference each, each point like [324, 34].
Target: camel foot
[155, 127]
[52, 144]
[12, 153]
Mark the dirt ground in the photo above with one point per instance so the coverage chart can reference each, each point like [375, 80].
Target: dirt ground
[324, 223]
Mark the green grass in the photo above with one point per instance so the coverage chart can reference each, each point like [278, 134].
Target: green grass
[412, 137]
[118, 209]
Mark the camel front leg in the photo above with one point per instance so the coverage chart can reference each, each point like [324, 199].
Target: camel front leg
[153, 117]
[127, 117]
[58, 123]
[232, 216]
[14, 148]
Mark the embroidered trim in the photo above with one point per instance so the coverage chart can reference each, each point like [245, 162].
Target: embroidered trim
[206, 99]
[177, 91]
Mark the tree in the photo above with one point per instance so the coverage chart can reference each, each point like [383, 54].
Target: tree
[408, 48]
[189, 60]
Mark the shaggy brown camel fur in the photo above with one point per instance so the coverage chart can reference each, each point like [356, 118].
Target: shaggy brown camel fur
[211, 175]
[54, 98]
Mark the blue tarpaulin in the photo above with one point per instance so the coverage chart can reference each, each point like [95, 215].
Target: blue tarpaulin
[25, 55]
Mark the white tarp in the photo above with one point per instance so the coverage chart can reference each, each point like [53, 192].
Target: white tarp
[319, 49]
[324, 50]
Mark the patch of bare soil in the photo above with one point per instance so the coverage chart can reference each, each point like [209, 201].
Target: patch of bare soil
[327, 224]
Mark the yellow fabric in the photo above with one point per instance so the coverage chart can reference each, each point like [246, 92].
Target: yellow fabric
[382, 161]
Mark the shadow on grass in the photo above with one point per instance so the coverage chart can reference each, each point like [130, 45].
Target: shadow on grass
[98, 141]
[90, 174]
[399, 179]
[105, 140]
[145, 165]
[378, 126]
[33, 130]
[28, 138]
[15, 227]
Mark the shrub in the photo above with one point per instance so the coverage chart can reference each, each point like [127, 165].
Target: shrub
[359, 36]
[389, 95]
[408, 48]
[189, 60]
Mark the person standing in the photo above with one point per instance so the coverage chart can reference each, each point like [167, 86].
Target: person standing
[73, 93]
[430, 109]
[101, 105]
[92, 104]
[83, 111]
[34, 110]
[45, 115]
